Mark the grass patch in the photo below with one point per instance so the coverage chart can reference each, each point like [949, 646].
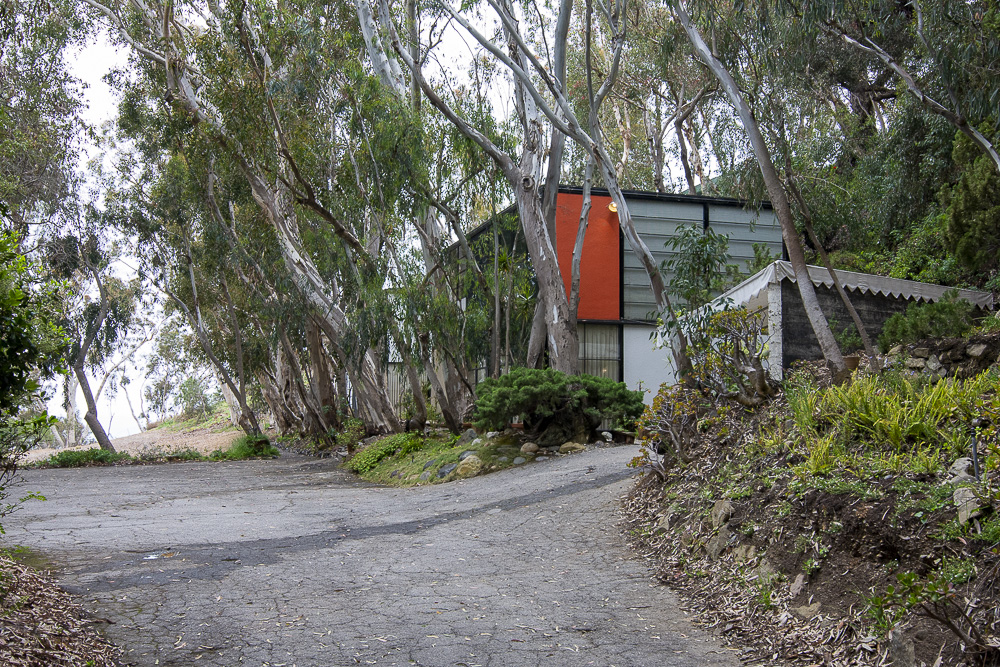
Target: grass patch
[408, 459]
[246, 447]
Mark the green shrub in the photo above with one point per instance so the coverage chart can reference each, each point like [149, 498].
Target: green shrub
[75, 458]
[949, 317]
[247, 447]
[555, 407]
[370, 456]
[351, 433]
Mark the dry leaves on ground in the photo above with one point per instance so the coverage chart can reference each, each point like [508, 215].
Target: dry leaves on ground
[42, 626]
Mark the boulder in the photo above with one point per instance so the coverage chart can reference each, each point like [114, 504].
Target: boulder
[425, 476]
[721, 512]
[446, 470]
[519, 460]
[718, 543]
[798, 585]
[470, 466]
[901, 650]
[920, 352]
[607, 436]
[967, 503]
[466, 454]
[916, 363]
[571, 448]
[806, 612]
[529, 448]
[466, 438]
[976, 350]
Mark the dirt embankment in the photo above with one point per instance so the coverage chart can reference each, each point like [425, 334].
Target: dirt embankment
[203, 440]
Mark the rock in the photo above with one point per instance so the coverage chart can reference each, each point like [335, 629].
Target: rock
[977, 350]
[765, 569]
[425, 476]
[798, 585]
[962, 466]
[952, 355]
[492, 434]
[541, 458]
[503, 459]
[721, 512]
[959, 471]
[933, 364]
[466, 454]
[745, 552]
[470, 466]
[669, 517]
[718, 543]
[529, 448]
[607, 436]
[430, 463]
[476, 442]
[894, 352]
[571, 448]
[920, 352]
[466, 438]
[395, 474]
[916, 363]
[901, 650]
[446, 470]
[519, 460]
[967, 503]
[806, 612]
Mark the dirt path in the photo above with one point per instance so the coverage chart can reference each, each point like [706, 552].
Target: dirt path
[291, 562]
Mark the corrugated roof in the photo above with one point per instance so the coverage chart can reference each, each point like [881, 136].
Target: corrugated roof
[865, 283]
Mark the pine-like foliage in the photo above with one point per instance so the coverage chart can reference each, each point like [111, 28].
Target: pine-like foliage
[554, 406]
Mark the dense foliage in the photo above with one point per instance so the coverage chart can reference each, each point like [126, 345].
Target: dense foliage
[949, 317]
[31, 349]
[553, 406]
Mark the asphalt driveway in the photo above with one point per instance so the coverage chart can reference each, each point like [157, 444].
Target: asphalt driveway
[291, 562]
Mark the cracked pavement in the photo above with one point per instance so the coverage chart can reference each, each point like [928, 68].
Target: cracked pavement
[293, 562]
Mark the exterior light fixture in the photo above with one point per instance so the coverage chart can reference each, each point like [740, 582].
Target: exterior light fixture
[613, 207]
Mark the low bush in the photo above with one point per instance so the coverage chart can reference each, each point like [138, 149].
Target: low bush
[555, 407]
[247, 447]
[76, 458]
[370, 456]
[948, 318]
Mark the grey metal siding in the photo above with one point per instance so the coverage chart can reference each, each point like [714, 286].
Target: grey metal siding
[657, 222]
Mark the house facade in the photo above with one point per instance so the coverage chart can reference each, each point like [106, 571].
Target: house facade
[617, 314]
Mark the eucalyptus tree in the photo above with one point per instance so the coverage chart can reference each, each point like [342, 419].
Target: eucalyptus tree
[271, 91]
[762, 152]
[39, 112]
[943, 53]
[540, 87]
[99, 311]
[523, 168]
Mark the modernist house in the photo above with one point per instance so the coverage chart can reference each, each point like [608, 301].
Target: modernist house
[790, 336]
[617, 312]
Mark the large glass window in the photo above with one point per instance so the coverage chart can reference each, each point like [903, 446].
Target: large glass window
[600, 350]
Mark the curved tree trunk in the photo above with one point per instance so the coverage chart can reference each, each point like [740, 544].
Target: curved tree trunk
[776, 193]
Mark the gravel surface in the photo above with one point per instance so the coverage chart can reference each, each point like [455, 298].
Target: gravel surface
[292, 562]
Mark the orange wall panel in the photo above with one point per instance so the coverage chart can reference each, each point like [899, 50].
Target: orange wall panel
[600, 277]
